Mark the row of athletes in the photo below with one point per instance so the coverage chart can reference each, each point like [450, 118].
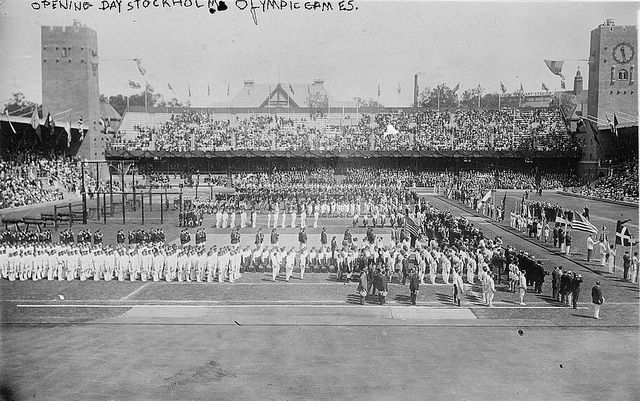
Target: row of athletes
[159, 262]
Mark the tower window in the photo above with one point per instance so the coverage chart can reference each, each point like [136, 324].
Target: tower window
[64, 52]
[623, 75]
[632, 69]
[613, 74]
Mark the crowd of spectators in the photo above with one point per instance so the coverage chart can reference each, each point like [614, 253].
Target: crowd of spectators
[469, 129]
[620, 185]
[28, 177]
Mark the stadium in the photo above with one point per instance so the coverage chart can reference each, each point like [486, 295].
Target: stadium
[289, 239]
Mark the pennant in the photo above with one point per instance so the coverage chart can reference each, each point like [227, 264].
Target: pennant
[544, 87]
[378, 90]
[579, 223]
[521, 89]
[456, 88]
[555, 66]
[8, 119]
[35, 121]
[291, 89]
[503, 88]
[591, 130]
[189, 90]
[228, 89]
[67, 129]
[170, 88]
[134, 85]
[208, 91]
[622, 234]
[140, 67]
[399, 88]
[50, 125]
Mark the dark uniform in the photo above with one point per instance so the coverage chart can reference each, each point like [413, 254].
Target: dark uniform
[414, 286]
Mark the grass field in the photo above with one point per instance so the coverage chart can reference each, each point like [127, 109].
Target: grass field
[310, 339]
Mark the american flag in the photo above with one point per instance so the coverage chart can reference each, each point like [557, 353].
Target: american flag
[411, 226]
[579, 223]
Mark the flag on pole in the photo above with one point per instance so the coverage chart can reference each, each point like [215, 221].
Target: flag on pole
[562, 84]
[411, 226]
[67, 129]
[9, 120]
[503, 88]
[544, 87]
[49, 124]
[399, 88]
[591, 130]
[560, 219]
[189, 90]
[622, 234]
[555, 66]
[228, 89]
[579, 223]
[504, 201]
[521, 89]
[149, 87]
[455, 89]
[291, 89]
[208, 91]
[81, 128]
[170, 88]
[140, 67]
[378, 89]
[613, 125]
[134, 85]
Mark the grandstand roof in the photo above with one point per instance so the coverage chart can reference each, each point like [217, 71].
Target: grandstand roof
[255, 95]
[108, 112]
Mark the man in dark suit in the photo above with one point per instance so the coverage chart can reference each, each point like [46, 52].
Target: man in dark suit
[414, 286]
[597, 299]
[259, 238]
[323, 237]
[555, 281]
[382, 287]
[575, 289]
[302, 238]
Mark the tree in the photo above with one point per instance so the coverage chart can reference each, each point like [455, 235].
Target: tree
[470, 98]
[20, 106]
[441, 97]
[490, 101]
[423, 97]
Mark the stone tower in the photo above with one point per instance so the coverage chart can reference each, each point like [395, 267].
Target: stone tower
[70, 84]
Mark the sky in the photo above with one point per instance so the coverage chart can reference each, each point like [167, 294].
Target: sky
[380, 44]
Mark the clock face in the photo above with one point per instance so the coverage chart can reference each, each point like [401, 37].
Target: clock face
[623, 52]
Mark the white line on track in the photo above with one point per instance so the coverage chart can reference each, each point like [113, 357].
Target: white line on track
[341, 305]
[134, 292]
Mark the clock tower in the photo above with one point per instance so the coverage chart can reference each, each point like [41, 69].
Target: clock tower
[613, 84]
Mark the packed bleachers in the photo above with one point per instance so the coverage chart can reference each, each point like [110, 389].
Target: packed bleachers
[468, 129]
[28, 178]
[621, 185]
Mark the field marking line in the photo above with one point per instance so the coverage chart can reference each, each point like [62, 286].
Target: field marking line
[134, 292]
[420, 306]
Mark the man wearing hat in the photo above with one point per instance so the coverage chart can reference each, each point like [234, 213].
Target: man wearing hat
[575, 289]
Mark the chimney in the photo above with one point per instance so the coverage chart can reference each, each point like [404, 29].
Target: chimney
[318, 82]
[610, 22]
[577, 83]
[248, 82]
